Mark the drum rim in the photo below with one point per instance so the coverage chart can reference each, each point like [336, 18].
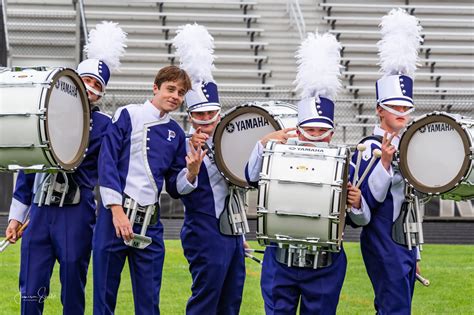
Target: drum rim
[241, 109]
[404, 141]
[79, 157]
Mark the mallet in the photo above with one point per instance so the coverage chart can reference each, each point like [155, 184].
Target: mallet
[5, 243]
[361, 148]
[423, 281]
[376, 154]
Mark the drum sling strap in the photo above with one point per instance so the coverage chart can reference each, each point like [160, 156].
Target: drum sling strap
[58, 189]
[233, 219]
[141, 215]
[406, 230]
[301, 257]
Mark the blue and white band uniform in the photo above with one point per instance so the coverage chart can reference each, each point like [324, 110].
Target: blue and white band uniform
[141, 150]
[216, 261]
[391, 267]
[282, 286]
[62, 234]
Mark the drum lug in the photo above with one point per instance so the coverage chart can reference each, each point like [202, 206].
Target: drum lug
[261, 210]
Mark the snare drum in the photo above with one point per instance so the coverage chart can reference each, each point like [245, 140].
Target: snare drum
[240, 129]
[302, 195]
[436, 155]
[44, 119]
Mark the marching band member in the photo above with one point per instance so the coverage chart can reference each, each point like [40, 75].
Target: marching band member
[216, 259]
[391, 266]
[65, 233]
[142, 148]
[282, 286]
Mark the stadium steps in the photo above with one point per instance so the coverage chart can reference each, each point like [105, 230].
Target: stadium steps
[239, 48]
[42, 33]
[283, 39]
[447, 51]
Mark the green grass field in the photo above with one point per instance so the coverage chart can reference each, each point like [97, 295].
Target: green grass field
[450, 269]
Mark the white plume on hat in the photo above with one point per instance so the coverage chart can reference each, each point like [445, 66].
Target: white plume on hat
[195, 49]
[319, 69]
[106, 43]
[401, 40]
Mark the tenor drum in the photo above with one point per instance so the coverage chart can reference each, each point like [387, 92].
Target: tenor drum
[44, 119]
[302, 195]
[240, 129]
[436, 155]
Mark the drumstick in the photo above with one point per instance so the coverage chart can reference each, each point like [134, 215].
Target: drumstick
[258, 251]
[253, 258]
[361, 148]
[423, 281]
[375, 155]
[5, 243]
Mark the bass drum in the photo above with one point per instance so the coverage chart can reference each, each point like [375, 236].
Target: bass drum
[436, 155]
[44, 119]
[240, 129]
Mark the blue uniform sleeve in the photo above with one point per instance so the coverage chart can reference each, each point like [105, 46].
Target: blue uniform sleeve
[116, 138]
[254, 165]
[177, 184]
[22, 196]
[370, 193]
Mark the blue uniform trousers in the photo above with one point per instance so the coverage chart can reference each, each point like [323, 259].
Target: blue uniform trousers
[57, 234]
[217, 266]
[318, 289]
[391, 268]
[146, 266]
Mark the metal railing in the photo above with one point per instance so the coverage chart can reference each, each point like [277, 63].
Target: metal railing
[296, 17]
[82, 28]
[4, 52]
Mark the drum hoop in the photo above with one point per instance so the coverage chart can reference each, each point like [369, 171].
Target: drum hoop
[218, 158]
[342, 201]
[404, 141]
[42, 128]
[77, 160]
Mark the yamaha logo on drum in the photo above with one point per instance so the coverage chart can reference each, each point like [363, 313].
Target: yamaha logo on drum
[66, 88]
[246, 124]
[230, 128]
[439, 127]
[306, 149]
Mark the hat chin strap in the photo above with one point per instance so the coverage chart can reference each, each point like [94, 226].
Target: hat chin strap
[396, 112]
[314, 138]
[94, 91]
[205, 122]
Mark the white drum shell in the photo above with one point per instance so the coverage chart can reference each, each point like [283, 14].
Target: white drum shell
[300, 195]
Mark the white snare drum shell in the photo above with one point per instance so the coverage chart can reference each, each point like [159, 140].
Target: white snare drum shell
[301, 193]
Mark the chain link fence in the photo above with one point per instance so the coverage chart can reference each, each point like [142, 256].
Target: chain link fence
[354, 117]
